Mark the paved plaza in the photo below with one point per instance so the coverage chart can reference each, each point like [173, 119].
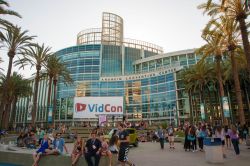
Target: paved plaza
[150, 154]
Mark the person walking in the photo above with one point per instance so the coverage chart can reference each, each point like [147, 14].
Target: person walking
[192, 138]
[124, 146]
[201, 135]
[235, 139]
[170, 132]
[161, 136]
[227, 135]
[220, 133]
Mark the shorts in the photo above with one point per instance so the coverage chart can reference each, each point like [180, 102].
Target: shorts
[114, 152]
[123, 154]
[227, 136]
[171, 138]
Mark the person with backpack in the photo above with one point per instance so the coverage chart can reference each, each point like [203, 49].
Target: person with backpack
[201, 135]
[192, 138]
[170, 132]
[161, 136]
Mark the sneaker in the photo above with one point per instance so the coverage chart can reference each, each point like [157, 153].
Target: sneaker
[193, 151]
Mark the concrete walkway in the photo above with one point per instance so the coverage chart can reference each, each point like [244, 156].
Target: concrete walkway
[150, 154]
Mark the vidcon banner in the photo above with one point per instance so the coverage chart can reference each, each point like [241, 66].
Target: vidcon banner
[91, 107]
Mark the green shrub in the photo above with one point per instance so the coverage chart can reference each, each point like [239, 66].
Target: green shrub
[180, 133]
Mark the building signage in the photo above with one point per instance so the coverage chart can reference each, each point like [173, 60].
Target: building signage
[141, 75]
[29, 113]
[91, 107]
[202, 112]
[50, 114]
[225, 107]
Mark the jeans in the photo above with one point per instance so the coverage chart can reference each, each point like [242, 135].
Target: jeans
[200, 141]
[235, 143]
[162, 143]
[89, 160]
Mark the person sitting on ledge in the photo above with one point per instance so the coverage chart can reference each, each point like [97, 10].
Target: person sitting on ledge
[58, 146]
[30, 141]
[42, 150]
[20, 140]
[92, 149]
[105, 151]
[78, 150]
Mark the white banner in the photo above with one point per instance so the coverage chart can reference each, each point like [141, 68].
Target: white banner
[91, 107]
[29, 113]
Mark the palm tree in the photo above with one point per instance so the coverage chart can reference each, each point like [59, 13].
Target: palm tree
[233, 9]
[229, 29]
[35, 56]
[17, 87]
[189, 88]
[16, 41]
[55, 68]
[214, 48]
[4, 11]
[196, 79]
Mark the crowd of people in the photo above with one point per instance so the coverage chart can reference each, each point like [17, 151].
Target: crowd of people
[228, 134]
[51, 143]
[196, 134]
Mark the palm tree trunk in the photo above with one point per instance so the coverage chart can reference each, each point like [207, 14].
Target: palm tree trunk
[246, 46]
[230, 103]
[191, 106]
[237, 89]
[13, 112]
[6, 116]
[35, 97]
[221, 87]
[247, 99]
[210, 103]
[5, 93]
[54, 101]
[49, 94]
[9, 66]
[196, 110]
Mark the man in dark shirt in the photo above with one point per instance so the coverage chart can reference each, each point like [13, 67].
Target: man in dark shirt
[92, 149]
[124, 145]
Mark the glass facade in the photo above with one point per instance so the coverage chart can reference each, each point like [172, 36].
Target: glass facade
[105, 64]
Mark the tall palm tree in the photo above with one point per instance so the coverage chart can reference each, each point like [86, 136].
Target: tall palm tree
[229, 29]
[4, 11]
[16, 41]
[36, 56]
[17, 87]
[55, 68]
[214, 47]
[236, 10]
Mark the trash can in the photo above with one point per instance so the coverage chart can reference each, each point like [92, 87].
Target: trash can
[213, 150]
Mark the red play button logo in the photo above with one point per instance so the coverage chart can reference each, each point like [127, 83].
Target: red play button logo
[80, 107]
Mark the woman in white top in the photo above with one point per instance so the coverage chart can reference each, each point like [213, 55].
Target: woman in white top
[220, 133]
[227, 139]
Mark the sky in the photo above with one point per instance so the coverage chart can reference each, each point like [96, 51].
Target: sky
[172, 24]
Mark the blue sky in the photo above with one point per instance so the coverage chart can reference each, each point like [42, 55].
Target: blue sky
[173, 24]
